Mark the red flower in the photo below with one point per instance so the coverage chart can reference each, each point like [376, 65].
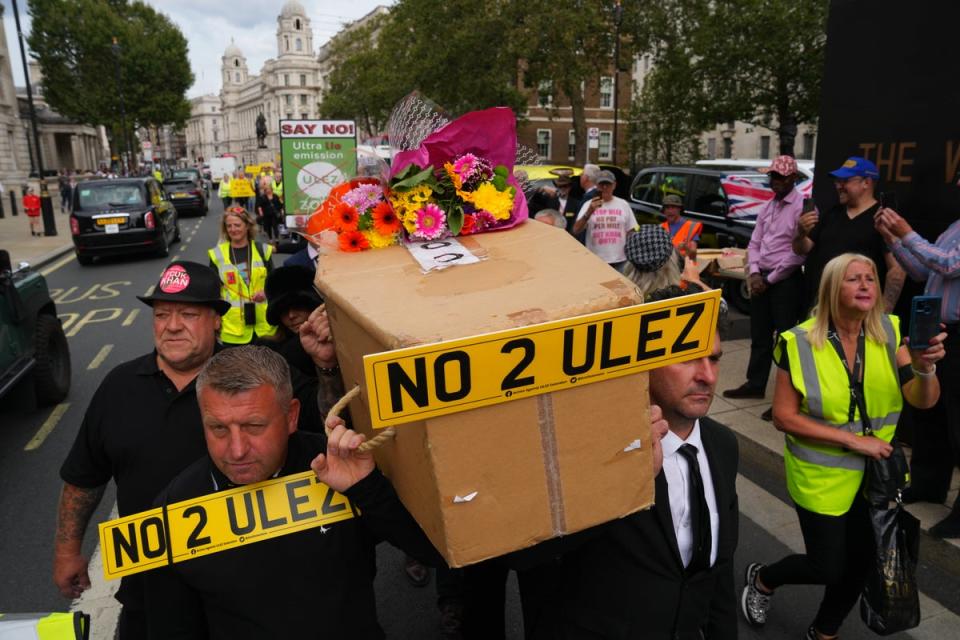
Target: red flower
[385, 220]
[353, 241]
[346, 217]
[469, 225]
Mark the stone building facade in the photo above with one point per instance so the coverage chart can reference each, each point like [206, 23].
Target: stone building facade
[287, 87]
[204, 131]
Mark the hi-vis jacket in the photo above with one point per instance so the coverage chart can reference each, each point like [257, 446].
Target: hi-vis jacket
[687, 231]
[825, 478]
[237, 291]
[224, 189]
[52, 626]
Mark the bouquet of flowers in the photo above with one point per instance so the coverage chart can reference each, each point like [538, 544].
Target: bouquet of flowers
[457, 182]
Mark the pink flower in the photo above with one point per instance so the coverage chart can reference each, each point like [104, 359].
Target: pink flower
[430, 223]
[464, 165]
[483, 220]
[364, 197]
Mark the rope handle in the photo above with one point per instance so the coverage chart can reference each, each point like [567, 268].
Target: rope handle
[375, 442]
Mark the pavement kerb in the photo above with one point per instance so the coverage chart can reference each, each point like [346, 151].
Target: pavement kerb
[47, 258]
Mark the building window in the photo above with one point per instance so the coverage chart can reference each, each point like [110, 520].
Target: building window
[286, 43]
[289, 99]
[606, 92]
[299, 44]
[304, 116]
[606, 145]
[764, 147]
[807, 153]
[303, 79]
[289, 116]
[236, 63]
[543, 143]
[296, 24]
[711, 148]
[727, 147]
[213, 109]
[286, 79]
[236, 76]
[571, 144]
[303, 98]
[545, 93]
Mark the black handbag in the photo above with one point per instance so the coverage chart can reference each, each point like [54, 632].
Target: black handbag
[890, 602]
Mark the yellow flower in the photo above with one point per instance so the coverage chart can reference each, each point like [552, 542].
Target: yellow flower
[487, 198]
[454, 176]
[378, 241]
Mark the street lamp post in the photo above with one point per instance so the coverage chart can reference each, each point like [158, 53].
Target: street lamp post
[617, 16]
[46, 206]
[115, 47]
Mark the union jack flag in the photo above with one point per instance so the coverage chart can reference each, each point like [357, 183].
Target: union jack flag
[746, 198]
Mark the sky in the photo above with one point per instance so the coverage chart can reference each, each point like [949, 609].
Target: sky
[208, 26]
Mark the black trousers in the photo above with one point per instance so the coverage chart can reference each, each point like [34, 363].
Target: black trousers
[775, 310]
[132, 624]
[839, 552]
[936, 431]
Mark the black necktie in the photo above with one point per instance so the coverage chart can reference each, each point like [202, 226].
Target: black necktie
[699, 512]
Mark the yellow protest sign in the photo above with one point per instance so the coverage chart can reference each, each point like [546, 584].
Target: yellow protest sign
[218, 522]
[252, 169]
[241, 188]
[423, 382]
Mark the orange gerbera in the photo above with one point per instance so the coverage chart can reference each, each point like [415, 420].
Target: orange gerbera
[353, 241]
[385, 220]
[469, 225]
[346, 217]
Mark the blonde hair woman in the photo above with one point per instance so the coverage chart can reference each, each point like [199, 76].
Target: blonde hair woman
[841, 380]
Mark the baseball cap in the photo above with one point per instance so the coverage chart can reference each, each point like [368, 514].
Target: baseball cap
[855, 166]
[671, 200]
[189, 283]
[649, 248]
[784, 165]
[605, 176]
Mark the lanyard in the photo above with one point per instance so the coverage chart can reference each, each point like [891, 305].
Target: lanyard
[854, 376]
[233, 259]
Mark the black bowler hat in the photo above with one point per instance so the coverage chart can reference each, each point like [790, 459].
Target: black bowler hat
[188, 283]
[290, 288]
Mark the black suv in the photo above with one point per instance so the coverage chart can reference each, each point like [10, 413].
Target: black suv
[187, 191]
[704, 200]
[123, 215]
[31, 336]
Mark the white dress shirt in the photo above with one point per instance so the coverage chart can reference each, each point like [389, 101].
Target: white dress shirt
[677, 471]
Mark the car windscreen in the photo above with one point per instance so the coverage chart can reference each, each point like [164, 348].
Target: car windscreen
[102, 196]
[184, 175]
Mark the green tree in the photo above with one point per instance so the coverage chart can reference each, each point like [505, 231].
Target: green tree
[758, 61]
[565, 46]
[72, 41]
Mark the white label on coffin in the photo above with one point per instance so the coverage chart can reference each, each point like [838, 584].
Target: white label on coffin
[433, 255]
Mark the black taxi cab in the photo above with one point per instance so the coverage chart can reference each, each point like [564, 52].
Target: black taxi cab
[122, 215]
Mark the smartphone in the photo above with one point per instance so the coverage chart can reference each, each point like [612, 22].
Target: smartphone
[888, 200]
[809, 205]
[924, 320]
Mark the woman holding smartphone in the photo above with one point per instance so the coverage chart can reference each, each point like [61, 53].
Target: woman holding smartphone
[839, 371]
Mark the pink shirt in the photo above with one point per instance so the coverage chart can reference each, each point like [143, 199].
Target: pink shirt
[770, 247]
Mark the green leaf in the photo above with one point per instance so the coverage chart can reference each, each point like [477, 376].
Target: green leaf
[426, 175]
[455, 220]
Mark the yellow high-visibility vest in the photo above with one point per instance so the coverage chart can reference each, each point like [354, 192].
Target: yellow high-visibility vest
[236, 291]
[54, 626]
[825, 478]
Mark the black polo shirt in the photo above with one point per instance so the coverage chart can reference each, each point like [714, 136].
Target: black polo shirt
[141, 432]
[835, 234]
[316, 583]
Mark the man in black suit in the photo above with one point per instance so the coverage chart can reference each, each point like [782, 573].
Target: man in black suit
[660, 573]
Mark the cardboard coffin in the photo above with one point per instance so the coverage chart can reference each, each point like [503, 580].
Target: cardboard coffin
[492, 480]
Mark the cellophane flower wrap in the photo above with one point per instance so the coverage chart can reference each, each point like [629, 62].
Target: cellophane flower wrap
[459, 181]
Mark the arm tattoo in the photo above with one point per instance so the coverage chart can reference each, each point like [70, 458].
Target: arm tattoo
[893, 286]
[77, 505]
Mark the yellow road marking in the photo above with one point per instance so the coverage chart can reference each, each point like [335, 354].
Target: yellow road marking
[57, 265]
[100, 357]
[130, 318]
[47, 426]
[149, 291]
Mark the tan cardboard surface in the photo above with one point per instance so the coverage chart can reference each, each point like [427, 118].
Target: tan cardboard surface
[524, 470]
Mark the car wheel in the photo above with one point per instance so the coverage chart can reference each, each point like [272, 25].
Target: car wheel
[737, 293]
[52, 371]
[84, 260]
